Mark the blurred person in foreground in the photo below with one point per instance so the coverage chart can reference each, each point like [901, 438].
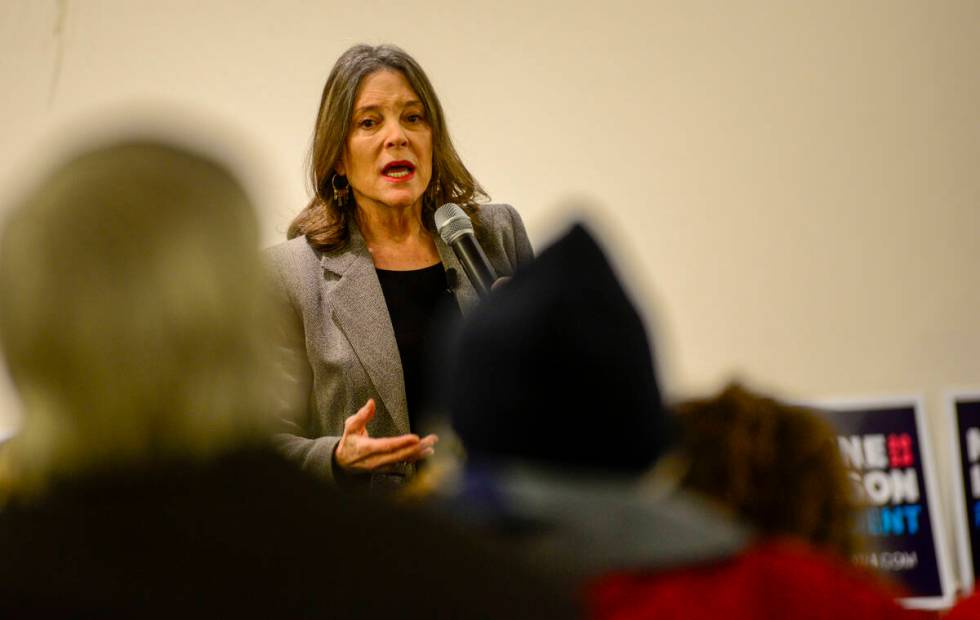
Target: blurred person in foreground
[134, 323]
[364, 271]
[551, 388]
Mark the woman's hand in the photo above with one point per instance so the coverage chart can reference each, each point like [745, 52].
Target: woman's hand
[359, 452]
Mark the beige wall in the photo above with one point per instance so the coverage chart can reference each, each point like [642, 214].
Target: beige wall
[795, 182]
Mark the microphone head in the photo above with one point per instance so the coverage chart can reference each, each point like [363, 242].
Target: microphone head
[452, 222]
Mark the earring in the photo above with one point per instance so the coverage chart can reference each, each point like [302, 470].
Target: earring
[340, 193]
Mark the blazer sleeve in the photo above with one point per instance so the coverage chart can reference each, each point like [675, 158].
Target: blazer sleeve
[504, 238]
[293, 411]
[522, 251]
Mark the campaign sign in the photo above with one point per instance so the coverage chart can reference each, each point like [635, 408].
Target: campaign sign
[964, 410]
[884, 445]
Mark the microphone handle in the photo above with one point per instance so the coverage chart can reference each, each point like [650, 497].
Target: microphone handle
[475, 263]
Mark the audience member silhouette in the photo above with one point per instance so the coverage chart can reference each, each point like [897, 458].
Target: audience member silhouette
[550, 386]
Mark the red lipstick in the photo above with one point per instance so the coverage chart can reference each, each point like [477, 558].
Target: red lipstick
[398, 171]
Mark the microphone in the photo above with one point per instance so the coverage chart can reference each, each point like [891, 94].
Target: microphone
[456, 230]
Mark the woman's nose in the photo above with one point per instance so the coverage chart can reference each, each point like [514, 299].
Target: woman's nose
[396, 135]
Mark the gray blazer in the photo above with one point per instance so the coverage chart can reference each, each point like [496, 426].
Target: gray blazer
[337, 344]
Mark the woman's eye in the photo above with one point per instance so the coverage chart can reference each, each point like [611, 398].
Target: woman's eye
[366, 123]
[414, 118]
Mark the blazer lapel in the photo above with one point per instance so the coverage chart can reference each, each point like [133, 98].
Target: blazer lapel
[358, 306]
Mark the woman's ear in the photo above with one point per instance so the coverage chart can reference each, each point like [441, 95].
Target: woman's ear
[341, 167]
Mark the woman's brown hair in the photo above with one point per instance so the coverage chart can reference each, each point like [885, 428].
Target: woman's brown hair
[778, 467]
[325, 222]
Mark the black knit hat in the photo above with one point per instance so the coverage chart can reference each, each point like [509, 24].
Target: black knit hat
[555, 366]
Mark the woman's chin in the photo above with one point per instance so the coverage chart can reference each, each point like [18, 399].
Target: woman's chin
[393, 203]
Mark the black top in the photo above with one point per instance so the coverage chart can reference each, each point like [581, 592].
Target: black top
[414, 298]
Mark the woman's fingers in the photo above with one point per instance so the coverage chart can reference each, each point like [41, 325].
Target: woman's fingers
[357, 423]
[407, 454]
[410, 454]
[384, 445]
[375, 453]
[358, 451]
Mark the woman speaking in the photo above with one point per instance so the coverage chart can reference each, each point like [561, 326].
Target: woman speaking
[364, 271]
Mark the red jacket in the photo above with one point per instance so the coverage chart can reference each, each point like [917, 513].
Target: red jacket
[774, 580]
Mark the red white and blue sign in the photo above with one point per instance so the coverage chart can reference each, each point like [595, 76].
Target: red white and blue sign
[885, 445]
[964, 417]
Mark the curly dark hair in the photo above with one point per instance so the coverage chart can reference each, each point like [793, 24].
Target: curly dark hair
[777, 466]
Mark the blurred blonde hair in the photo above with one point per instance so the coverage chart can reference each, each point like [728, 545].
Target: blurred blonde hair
[132, 314]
